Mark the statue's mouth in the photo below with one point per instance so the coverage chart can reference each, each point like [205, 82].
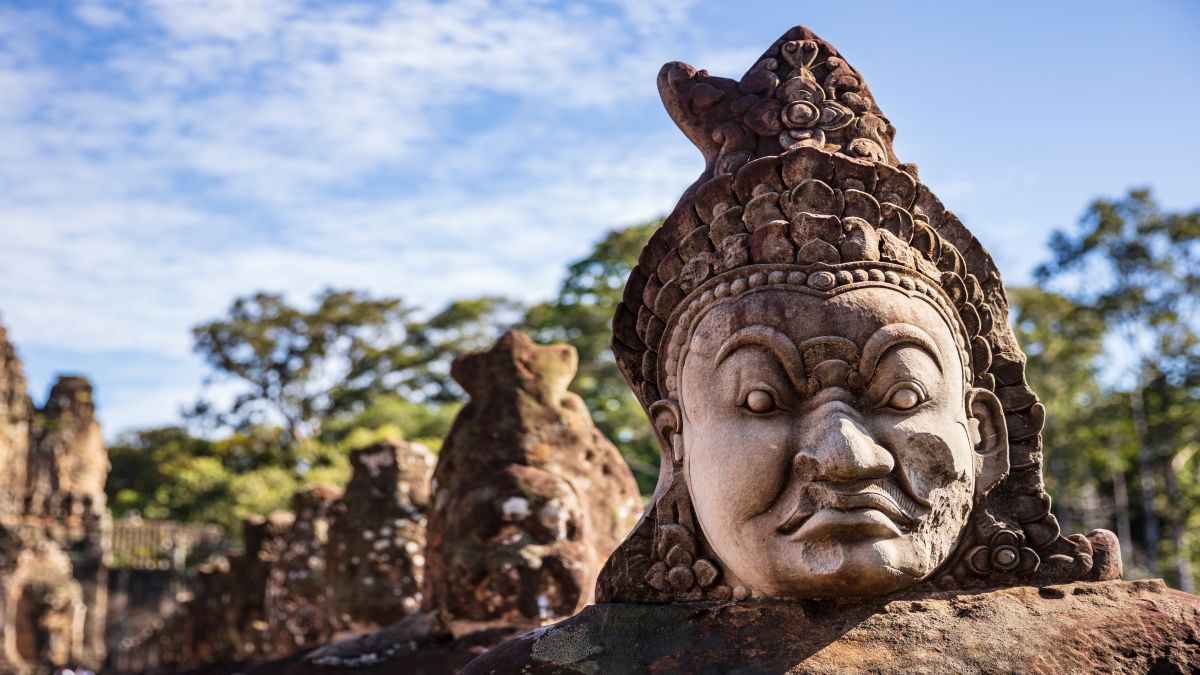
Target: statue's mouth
[882, 496]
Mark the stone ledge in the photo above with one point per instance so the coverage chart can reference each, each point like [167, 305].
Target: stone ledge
[1114, 626]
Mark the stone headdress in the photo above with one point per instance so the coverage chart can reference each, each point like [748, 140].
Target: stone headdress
[802, 189]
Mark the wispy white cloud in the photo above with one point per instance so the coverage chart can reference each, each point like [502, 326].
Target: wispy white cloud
[158, 159]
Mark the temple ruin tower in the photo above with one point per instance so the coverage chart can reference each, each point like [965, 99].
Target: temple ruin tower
[55, 531]
[68, 463]
[15, 414]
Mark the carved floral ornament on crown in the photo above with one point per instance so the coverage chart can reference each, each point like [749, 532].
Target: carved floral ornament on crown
[801, 93]
[801, 108]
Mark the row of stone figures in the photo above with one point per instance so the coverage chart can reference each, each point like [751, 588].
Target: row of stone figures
[426, 566]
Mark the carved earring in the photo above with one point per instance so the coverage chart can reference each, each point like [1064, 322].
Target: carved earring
[667, 419]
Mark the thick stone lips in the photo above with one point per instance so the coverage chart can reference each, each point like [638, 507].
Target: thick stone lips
[884, 496]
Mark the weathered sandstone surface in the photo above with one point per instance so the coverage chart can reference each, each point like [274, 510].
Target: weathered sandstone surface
[1111, 627]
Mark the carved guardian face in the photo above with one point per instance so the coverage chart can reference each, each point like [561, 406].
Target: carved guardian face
[830, 445]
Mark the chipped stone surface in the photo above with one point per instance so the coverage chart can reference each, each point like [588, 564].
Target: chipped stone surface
[1112, 626]
[419, 645]
[376, 537]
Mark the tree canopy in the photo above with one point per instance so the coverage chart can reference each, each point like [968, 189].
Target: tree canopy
[1135, 272]
[300, 367]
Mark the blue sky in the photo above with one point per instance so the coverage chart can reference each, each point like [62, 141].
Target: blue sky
[158, 158]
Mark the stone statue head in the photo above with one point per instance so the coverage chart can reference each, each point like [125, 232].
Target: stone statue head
[823, 353]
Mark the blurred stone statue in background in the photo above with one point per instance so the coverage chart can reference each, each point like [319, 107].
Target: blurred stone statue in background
[844, 422]
[527, 501]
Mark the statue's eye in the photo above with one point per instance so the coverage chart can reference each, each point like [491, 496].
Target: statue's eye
[760, 401]
[905, 396]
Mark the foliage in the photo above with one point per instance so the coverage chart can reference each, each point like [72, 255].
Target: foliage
[1084, 442]
[166, 473]
[301, 367]
[1139, 269]
[390, 416]
[1136, 269]
[581, 314]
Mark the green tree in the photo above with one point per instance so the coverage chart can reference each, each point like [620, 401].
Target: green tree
[145, 462]
[581, 314]
[1138, 268]
[166, 473]
[391, 416]
[301, 367]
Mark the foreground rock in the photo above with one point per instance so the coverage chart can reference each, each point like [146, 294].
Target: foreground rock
[529, 499]
[1112, 627]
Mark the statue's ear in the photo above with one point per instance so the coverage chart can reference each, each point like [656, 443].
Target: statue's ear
[989, 436]
[668, 427]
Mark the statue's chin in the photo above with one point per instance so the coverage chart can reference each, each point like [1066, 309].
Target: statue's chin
[845, 567]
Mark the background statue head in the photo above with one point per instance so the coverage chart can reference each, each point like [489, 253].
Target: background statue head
[822, 349]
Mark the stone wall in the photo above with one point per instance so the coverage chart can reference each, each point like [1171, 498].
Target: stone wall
[338, 564]
[297, 590]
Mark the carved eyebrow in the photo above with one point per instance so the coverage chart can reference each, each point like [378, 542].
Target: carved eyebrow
[891, 335]
[774, 341]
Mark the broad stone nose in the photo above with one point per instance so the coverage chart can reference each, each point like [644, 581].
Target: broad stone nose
[844, 452]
